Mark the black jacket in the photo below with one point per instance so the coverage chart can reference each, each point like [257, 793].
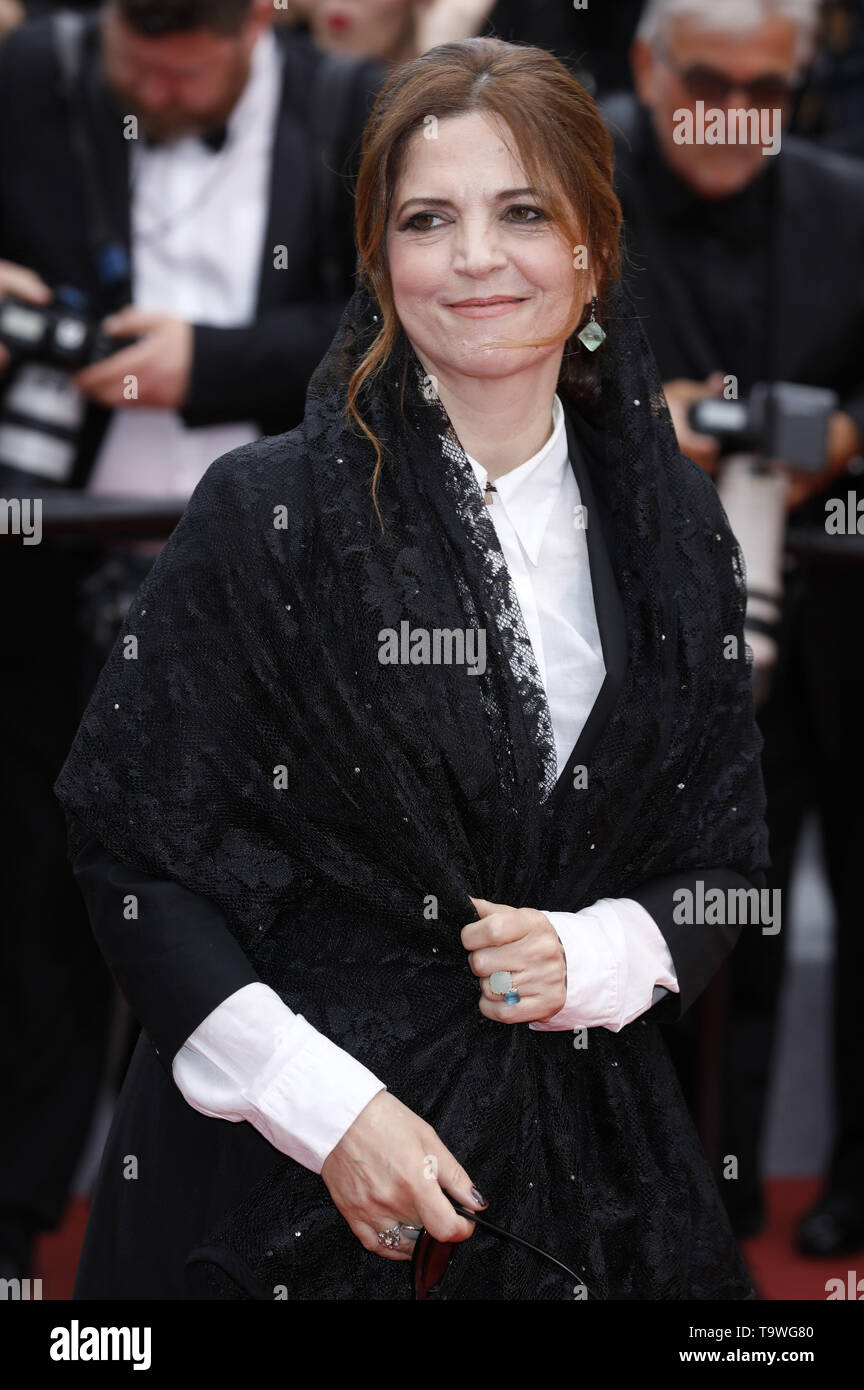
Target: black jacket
[259, 371]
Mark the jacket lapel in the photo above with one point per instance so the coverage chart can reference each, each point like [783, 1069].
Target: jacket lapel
[108, 124]
[586, 447]
[289, 198]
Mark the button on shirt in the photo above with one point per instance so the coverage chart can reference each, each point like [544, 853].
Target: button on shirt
[254, 1059]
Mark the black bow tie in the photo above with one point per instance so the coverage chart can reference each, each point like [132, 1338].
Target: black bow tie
[214, 139]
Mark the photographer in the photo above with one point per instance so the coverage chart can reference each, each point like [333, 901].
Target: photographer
[182, 197]
[746, 266]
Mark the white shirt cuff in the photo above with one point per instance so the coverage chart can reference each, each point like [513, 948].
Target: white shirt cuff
[254, 1059]
[618, 965]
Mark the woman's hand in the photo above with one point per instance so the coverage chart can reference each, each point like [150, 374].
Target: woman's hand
[443, 21]
[523, 941]
[390, 1166]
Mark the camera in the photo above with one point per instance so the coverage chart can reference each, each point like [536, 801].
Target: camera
[779, 420]
[41, 411]
[780, 425]
[53, 334]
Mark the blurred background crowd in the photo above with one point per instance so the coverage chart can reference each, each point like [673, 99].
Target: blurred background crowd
[210, 244]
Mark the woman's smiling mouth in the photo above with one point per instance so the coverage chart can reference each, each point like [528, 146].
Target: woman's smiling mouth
[487, 307]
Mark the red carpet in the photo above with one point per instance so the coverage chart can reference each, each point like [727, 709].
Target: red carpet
[778, 1272]
[57, 1254]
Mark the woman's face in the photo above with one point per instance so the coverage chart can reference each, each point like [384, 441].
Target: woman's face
[462, 227]
[370, 28]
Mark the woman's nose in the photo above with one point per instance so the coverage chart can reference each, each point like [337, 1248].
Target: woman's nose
[478, 248]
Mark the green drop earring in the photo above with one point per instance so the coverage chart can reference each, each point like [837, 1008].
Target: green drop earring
[592, 334]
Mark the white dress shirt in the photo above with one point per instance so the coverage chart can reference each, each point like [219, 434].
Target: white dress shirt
[198, 220]
[254, 1059]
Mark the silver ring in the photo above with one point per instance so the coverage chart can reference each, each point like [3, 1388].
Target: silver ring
[390, 1237]
[393, 1234]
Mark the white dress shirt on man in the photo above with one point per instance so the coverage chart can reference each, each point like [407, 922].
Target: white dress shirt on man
[198, 219]
[254, 1059]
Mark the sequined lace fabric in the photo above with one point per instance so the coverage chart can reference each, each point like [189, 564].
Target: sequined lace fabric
[340, 811]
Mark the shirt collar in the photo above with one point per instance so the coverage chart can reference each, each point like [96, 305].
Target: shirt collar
[528, 493]
[263, 77]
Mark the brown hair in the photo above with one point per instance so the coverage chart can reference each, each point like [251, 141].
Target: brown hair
[565, 150]
[154, 18]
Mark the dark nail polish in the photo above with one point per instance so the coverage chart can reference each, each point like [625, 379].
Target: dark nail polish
[478, 1197]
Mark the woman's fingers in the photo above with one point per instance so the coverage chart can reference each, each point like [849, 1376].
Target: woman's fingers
[439, 1216]
[542, 978]
[539, 983]
[521, 981]
[369, 1237]
[536, 953]
[526, 1011]
[366, 1227]
[390, 1166]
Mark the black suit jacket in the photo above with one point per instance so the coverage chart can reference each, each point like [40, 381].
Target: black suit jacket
[178, 960]
[257, 372]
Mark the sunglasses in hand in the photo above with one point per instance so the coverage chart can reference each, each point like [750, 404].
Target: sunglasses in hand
[431, 1258]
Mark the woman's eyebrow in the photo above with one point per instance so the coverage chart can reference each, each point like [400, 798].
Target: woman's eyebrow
[446, 203]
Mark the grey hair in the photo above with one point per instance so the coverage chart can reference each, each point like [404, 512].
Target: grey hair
[733, 17]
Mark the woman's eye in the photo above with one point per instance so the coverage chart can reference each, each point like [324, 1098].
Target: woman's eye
[538, 214]
[410, 225]
[535, 215]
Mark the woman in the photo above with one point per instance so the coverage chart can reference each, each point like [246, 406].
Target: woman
[393, 31]
[372, 755]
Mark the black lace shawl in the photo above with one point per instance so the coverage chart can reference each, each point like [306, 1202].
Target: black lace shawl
[250, 745]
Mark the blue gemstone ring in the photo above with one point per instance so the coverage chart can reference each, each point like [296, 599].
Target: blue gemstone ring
[501, 982]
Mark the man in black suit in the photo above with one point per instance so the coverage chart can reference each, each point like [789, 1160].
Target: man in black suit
[190, 81]
[748, 264]
[253, 371]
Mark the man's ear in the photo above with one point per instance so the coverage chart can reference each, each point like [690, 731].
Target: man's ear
[643, 65]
